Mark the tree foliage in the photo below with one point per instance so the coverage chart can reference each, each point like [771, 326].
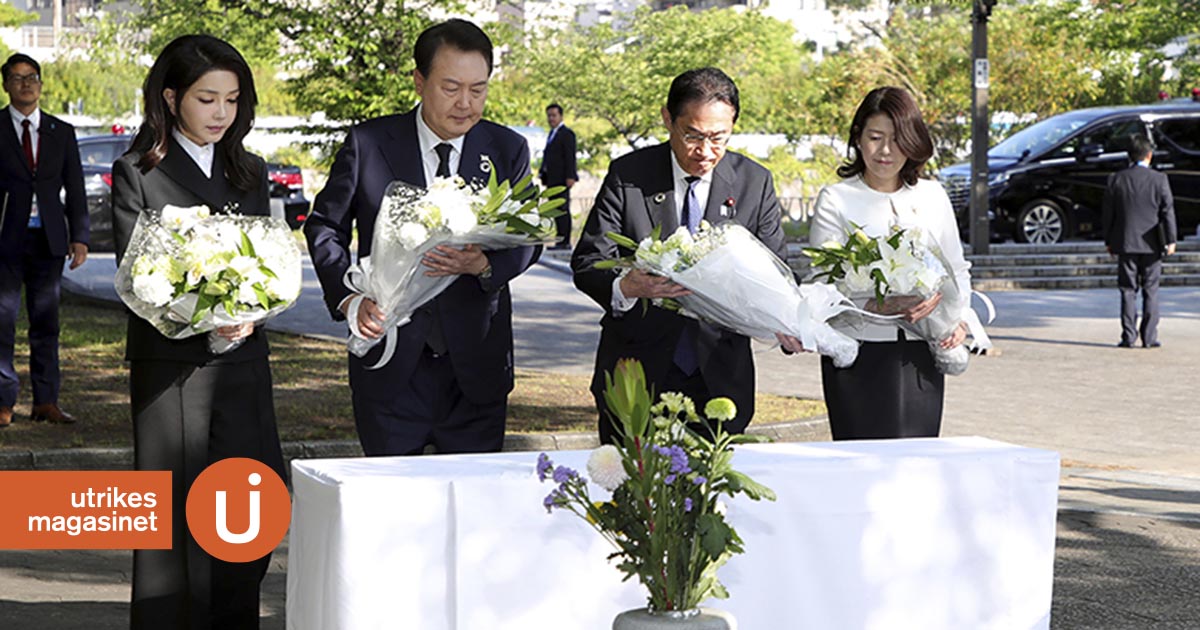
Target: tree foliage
[621, 74]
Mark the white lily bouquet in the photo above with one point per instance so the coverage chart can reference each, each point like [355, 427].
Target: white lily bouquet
[412, 221]
[892, 273]
[739, 284]
[188, 271]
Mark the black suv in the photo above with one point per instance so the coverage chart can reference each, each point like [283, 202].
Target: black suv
[98, 153]
[1046, 182]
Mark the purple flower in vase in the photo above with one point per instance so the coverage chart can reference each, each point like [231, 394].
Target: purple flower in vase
[543, 466]
[562, 474]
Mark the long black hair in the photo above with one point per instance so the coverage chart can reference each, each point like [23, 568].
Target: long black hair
[178, 66]
[912, 136]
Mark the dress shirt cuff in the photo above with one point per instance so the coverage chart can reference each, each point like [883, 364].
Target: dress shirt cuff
[620, 303]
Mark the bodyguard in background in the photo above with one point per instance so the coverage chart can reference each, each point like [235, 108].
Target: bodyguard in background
[558, 168]
[447, 384]
[1139, 229]
[39, 162]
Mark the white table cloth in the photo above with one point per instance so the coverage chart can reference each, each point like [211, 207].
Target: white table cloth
[935, 533]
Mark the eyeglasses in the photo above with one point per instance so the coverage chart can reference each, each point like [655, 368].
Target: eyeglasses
[699, 140]
[28, 79]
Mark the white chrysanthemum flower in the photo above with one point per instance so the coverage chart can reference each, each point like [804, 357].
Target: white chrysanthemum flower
[459, 217]
[605, 467]
[246, 294]
[153, 288]
[411, 234]
[181, 219]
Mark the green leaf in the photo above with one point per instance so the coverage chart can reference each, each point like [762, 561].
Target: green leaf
[714, 534]
[246, 248]
[261, 294]
[740, 482]
[204, 304]
[622, 240]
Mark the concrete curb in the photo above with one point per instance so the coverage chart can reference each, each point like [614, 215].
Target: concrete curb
[811, 430]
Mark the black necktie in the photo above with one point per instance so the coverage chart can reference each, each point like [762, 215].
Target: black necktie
[443, 151]
[436, 339]
[691, 206]
[27, 145]
[686, 358]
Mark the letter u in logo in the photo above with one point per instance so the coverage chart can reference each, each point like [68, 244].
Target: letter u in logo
[255, 515]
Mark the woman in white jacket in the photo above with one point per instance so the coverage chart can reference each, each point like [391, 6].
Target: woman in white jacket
[894, 389]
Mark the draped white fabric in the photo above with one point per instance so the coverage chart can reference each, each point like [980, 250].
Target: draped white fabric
[933, 534]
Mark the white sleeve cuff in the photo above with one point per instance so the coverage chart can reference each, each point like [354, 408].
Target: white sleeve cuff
[620, 303]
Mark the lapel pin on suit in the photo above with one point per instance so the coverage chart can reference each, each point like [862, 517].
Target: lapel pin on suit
[660, 197]
[485, 163]
[727, 208]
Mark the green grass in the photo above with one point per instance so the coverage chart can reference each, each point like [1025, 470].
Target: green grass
[312, 397]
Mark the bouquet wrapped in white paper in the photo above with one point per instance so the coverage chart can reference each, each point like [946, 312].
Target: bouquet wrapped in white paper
[739, 284]
[412, 221]
[188, 271]
[895, 272]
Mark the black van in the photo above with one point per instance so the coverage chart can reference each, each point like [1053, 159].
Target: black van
[1046, 182]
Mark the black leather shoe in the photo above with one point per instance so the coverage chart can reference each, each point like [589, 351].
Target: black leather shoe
[1156, 344]
[1125, 344]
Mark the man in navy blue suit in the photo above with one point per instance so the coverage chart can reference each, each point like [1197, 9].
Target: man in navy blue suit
[39, 166]
[1138, 216]
[558, 168]
[448, 381]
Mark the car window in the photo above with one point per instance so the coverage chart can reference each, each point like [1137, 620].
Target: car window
[1184, 133]
[102, 152]
[1041, 136]
[1114, 137]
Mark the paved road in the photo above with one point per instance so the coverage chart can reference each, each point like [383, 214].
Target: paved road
[1125, 421]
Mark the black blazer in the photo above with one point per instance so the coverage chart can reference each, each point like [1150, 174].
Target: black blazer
[178, 181]
[558, 160]
[475, 315]
[637, 195]
[1136, 201]
[58, 170]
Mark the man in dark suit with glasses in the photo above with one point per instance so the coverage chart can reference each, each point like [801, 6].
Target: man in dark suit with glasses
[678, 183]
[39, 167]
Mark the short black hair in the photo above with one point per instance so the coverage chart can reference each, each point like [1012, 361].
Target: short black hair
[455, 33]
[1139, 147]
[17, 58]
[702, 85]
[555, 106]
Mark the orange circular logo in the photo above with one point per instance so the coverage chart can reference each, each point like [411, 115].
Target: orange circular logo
[238, 509]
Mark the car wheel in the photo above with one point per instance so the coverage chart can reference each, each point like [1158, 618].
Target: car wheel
[1041, 222]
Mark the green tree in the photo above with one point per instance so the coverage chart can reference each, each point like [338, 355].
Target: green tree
[621, 74]
[12, 17]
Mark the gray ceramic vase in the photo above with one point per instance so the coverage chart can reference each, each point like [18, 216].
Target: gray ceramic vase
[695, 619]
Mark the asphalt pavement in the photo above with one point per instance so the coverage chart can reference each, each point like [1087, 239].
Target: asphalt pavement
[1125, 421]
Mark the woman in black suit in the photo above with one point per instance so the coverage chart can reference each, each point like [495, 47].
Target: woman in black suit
[190, 407]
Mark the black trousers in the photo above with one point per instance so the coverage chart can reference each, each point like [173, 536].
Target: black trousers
[1139, 272]
[893, 390]
[562, 223]
[40, 272]
[186, 417]
[693, 386]
[398, 417]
